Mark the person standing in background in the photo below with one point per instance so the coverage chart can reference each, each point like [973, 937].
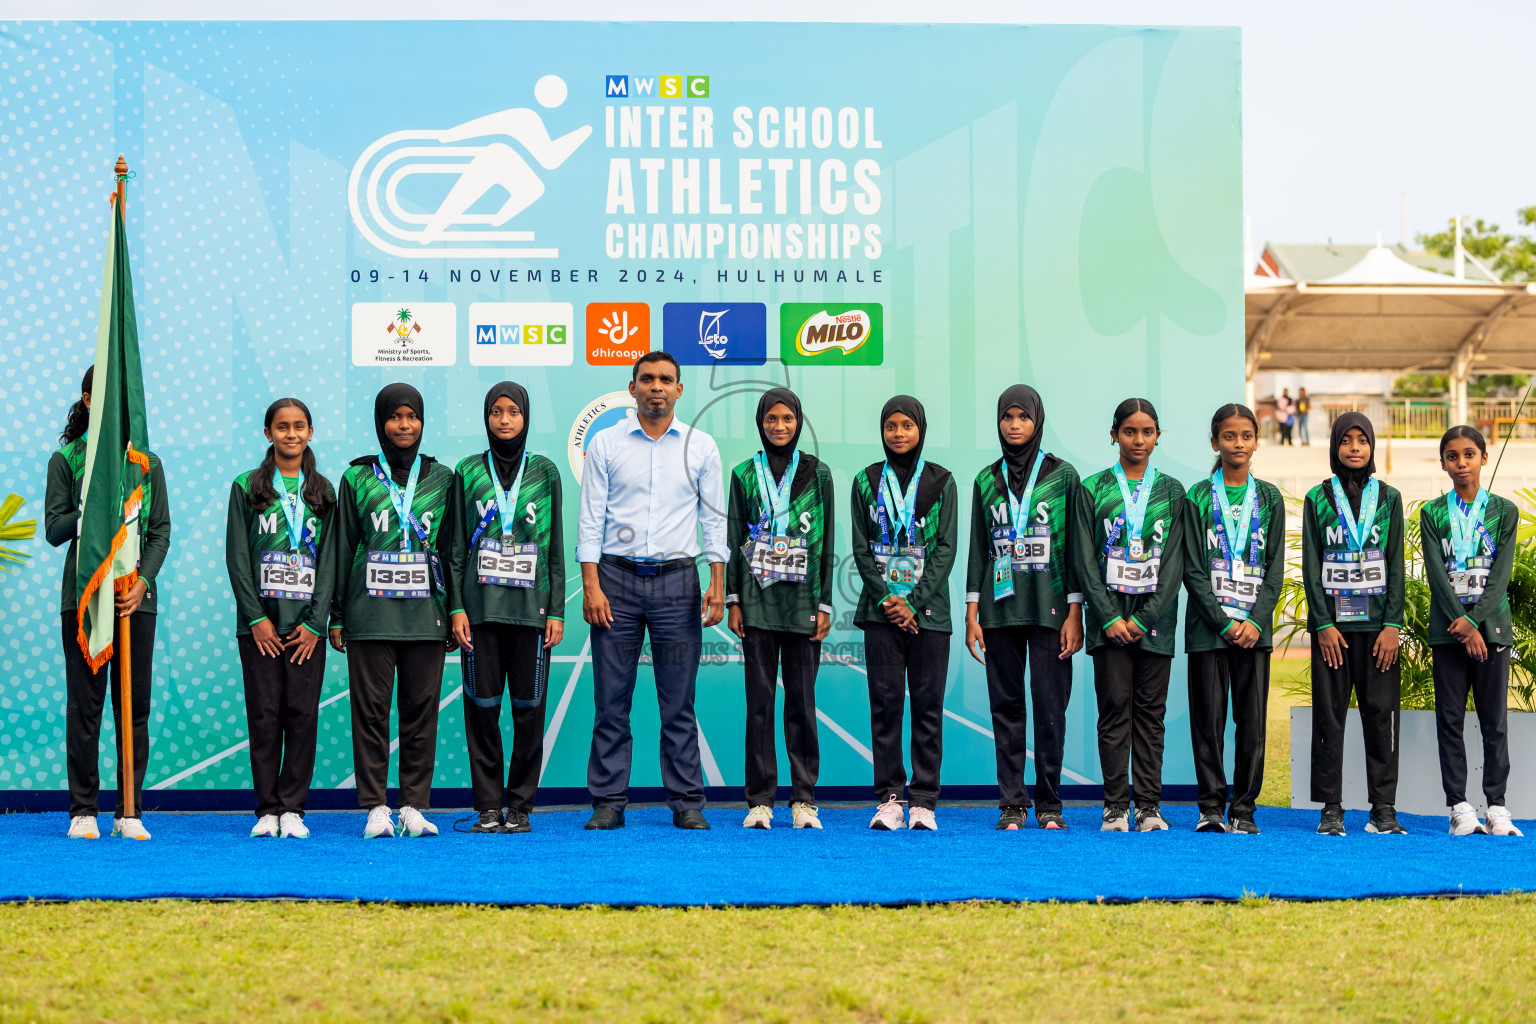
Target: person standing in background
[1285, 415]
[1303, 412]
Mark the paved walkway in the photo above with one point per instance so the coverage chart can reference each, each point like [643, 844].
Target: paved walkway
[1414, 466]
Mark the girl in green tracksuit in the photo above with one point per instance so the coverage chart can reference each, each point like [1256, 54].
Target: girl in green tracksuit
[1234, 545]
[1469, 540]
[507, 593]
[1130, 557]
[1352, 568]
[390, 614]
[281, 575]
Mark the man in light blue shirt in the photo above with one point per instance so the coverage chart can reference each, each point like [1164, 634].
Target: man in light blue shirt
[649, 486]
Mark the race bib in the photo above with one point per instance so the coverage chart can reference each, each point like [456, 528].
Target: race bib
[506, 565]
[289, 576]
[1032, 552]
[1236, 586]
[1470, 582]
[1354, 573]
[1130, 575]
[901, 568]
[779, 558]
[403, 574]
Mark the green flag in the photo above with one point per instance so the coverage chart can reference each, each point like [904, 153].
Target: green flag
[116, 459]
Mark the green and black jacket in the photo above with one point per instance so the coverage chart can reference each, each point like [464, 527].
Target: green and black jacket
[1205, 623]
[249, 533]
[1491, 613]
[937, 529]
[1157, 613]
[539, 520]
[783, 607]
[365, 521]
[61, 518]
[1039, 598]
[1321, 531]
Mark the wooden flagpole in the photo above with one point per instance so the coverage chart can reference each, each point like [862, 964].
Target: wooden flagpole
[127, 778]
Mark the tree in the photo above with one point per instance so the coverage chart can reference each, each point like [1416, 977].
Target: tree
[1511, 256]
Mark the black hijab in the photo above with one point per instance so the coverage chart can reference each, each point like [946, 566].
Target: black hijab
[391, 398]
[1020, 458]
[1353, 479]
[779, 455]
[905, 464]
[507, 455]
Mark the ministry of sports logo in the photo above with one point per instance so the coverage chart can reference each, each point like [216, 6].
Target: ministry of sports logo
[396, 189]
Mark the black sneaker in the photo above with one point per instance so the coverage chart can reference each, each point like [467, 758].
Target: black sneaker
[1243, 823]
[1210, 821]
[1050, 819]
[605, 818]
[1011, 819]
[1332, 821]
[1384, 821]
[490, 821]
[517, 821]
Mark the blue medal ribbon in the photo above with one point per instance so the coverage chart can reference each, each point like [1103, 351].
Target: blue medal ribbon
[506, 501]
[1356, 533]
[775, 500]
[894, 518]
[1133, 513]
[402, 502]
[1467, 527]
[293, 507]
[1230, 527]
[1019, 508]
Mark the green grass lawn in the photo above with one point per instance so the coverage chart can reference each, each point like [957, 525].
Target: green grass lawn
[1468, 959]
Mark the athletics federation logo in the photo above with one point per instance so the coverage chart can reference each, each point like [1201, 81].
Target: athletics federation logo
[612, 408]
[396, 192]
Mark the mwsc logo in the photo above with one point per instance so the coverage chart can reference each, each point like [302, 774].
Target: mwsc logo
[665, 87]
[395, 185]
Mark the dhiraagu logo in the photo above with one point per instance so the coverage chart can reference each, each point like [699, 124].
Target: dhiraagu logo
[832, 334]
[520, 334]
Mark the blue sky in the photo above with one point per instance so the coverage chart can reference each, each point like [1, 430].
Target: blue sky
[1346, 103]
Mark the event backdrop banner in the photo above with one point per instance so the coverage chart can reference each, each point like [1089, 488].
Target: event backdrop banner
[854, 211]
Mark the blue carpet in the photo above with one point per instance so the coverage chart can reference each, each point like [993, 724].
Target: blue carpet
[209, 856]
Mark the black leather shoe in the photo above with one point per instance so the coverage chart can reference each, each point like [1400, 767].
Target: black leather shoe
[606, 818]
[689, 819]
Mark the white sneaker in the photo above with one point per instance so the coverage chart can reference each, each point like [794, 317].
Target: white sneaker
[760, 816]
[1500, 823]
[293, 826]
[1150, 819]
[805, 815]
[129, 828]
[922, 819]
[380, 824]
[1116, 819]
[266, 827]
[888, 816]
[83, 826]
[414, 825]
[1464, 821]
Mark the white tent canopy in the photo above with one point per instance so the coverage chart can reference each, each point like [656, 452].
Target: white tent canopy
[1385, 315]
